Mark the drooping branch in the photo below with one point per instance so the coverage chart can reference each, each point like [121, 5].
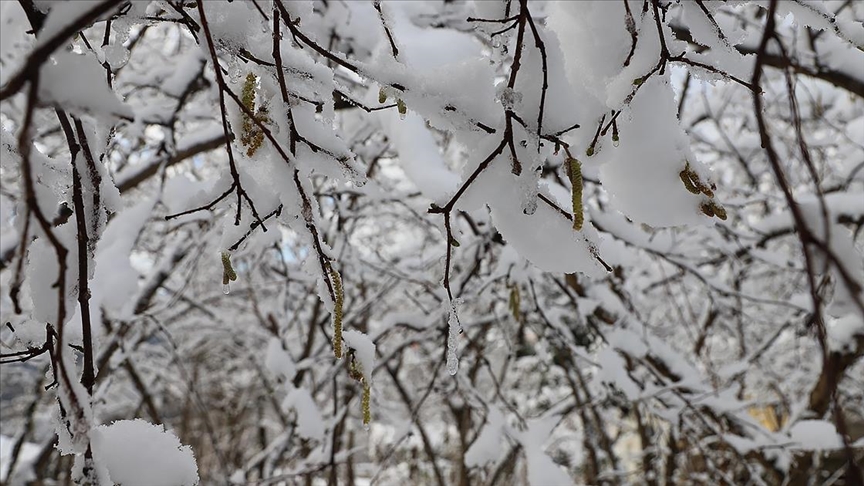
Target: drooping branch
[29, 72]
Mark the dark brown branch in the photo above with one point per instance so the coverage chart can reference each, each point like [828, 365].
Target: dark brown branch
[205, 207]
[493, 21]
[139, 175]
[834, 363]
[393, 49]
[235, 175]
[427, 444]
[146, 397]
[47, 47]
[83, 240]
[630, 25]
[837, 78]
[254, 226]
[26, 355]
[541, 46]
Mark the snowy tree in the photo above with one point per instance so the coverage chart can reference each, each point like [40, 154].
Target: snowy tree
[439, 242]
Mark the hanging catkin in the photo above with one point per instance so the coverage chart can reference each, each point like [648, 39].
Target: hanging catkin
[228, 273]
[337, 311]
[574, 171]
[365, 403]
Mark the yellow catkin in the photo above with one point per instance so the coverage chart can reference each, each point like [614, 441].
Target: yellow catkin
[252, 137]
[574, 171]
[248, 99]
[367, 408]
[401, 107]
[382, 96]
[354, 371]
[228, 273]
[515, 303]
[248, 96]
[337, 312]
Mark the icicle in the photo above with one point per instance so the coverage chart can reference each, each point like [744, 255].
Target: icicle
[454, 329]
[226, 289]
[452, 359]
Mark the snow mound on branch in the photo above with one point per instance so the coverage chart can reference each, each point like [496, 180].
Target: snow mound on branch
[365, 350]
[542, 470]
[642, 172]
[487, 447]
[138, 453]
[78, 81]
[115, 281]
[546, 238]
[842, 332]
[310, 423]
[816, 435]
[278, 361]
[418, 154]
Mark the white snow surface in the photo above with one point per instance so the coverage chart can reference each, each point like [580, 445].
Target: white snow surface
[842, 332]
[78, 80]
[487, 447]
[278, 361]
[310, 423]
[542, 470]
[138, 453]
[815, 435]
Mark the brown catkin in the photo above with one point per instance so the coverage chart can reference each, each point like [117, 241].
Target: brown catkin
[693, 183]
[706, 190]
[688, 183]
[574, 171]
[719, 211]
[700, 186]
